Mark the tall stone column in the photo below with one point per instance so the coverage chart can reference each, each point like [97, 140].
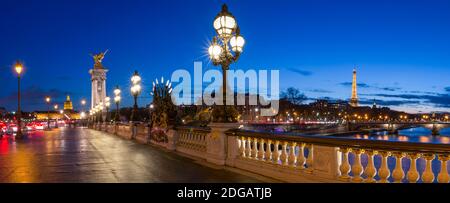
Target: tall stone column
[98, 80]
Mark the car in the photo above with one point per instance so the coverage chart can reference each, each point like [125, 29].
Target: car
[31, 126]
[12, 128]
[38, 126]
[2, 128]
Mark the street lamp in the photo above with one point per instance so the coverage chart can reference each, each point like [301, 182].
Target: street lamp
[107, 105]
[56, 109]
[228, 36]
[100, 111]
[135, 91]
[18, 68]
[83, 104]
[117, 101]
[47, 100]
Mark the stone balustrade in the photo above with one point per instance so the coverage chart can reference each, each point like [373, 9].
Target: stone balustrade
[412, 173]
[192, 141]
[304, 158]
[341, 159]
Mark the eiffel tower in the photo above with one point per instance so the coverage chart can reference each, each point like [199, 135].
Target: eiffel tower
[354, 99]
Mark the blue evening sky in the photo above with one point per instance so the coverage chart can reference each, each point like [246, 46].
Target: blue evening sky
[400, 48]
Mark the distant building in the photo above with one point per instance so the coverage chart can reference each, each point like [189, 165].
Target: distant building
[68, 104]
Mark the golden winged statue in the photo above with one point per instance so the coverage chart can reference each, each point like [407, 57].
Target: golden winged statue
[98, 58]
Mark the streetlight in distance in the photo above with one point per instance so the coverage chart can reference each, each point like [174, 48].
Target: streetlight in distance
[117, 101]
[18, 68]
[107, 105]
[47, 100]
[228, 36]
[83, 114]
[135, 91]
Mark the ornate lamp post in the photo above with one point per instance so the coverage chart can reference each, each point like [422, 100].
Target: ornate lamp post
[117, 101]
[100, 112]
[18, 68]
[228, 36]
[83, 114]
[47, 100]
[135, 91]
[56, 109]
[107, 105]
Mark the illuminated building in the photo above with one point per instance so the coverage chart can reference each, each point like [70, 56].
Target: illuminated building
[68, 104]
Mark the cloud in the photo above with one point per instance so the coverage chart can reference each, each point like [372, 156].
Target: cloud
[320, 91]
[437, 100]
[388, 102]
[390, 89]
[447, 89]
[364, 85]
[300, 72]
[349, 84]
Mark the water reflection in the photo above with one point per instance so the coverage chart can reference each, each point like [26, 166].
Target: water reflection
[421, 135]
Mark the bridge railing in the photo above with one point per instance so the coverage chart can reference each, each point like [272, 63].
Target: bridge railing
[296, 158]
[307, 158]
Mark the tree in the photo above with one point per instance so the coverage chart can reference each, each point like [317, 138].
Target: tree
[293, 95]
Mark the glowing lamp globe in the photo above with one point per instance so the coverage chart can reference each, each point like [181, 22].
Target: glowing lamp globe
[225, 23]
[237, 43]
[117, 91]
[117, 99]
[215, 51]
[18, 67]
[135, 78]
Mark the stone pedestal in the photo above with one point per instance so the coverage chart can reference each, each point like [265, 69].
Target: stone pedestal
[326, 162]
[217, 142]
[172, 137]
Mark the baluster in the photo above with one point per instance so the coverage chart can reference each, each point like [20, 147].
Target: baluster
[370, 171]
[284, 154]
[261, 151]
[384, 171]
[255, 148]
[428, 176]
[242, 146]
[268, 150]
[276, 153]
[398, 174]
[189, 140]
[195, 144]
[357, 167]
[443, 174]
[309, 159]
[248, 153]
[413, 174]
[345, 165]
[292, 154]
[301, 156]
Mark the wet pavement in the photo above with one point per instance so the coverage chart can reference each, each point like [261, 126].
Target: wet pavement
[84, 155]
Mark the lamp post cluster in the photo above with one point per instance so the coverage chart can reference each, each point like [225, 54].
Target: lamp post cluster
[135, 91]
[228, 37]
[117, 99]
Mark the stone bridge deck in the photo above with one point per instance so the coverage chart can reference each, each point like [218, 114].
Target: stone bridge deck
[84, 155]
